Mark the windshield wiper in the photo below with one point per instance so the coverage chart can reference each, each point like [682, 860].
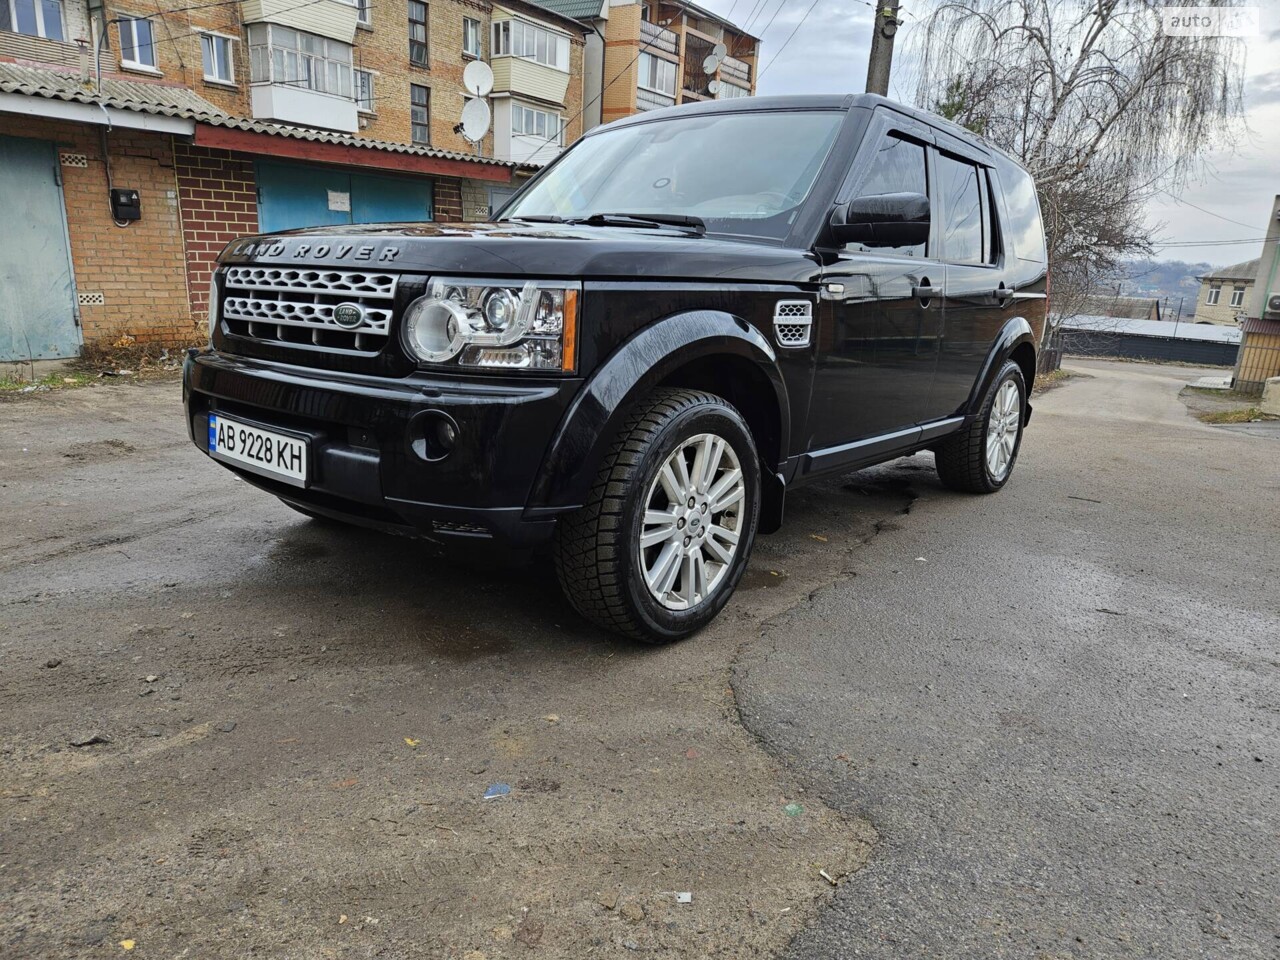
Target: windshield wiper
[694, 224]
[539, 218]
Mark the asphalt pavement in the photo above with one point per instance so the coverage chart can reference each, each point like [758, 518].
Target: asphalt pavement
[1039, 724]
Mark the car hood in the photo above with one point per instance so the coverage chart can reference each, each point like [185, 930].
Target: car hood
[510, 249]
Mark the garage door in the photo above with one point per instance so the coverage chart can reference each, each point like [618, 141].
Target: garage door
[294, 195]
[37, 297]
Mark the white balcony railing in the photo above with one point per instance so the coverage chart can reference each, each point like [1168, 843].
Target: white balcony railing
[654, 37]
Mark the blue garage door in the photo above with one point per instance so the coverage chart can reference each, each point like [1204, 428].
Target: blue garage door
[37, 298]
[293, 195]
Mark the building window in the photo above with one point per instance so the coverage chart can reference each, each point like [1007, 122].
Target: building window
[418, 33]
[216, 51]
[364, 12]
[420, 113]
[1237, 296]
[729, 91]
[364, 90]
[292, 58]
[657, 74]
[137, 44]
[1214, 293]
[515, 38]
[528, 122]
[35, 18]
[471, 38]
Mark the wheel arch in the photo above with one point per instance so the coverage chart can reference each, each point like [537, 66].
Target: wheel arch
[700, 349]
[1016, 341]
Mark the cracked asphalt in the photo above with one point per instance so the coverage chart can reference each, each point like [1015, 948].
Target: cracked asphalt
[1040, 724]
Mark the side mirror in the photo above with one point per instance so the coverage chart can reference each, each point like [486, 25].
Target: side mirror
[882, 220]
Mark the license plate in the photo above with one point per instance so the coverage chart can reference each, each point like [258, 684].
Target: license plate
[261, 451]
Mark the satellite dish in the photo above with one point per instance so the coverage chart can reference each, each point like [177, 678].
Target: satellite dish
[713, 87]
[711, 64]
[475, 120]
[478, 78]
[719, 51]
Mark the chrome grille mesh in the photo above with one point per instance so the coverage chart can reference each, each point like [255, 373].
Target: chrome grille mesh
[793, 322]
[295, 305]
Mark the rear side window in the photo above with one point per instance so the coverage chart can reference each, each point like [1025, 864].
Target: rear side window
[898, 166]
[965, 229]
[1023, 232]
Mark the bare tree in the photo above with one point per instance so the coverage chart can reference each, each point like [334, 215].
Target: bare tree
[1099, 104]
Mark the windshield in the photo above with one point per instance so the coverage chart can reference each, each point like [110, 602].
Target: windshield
[740, 173]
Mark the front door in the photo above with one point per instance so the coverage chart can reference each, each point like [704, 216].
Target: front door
[879, 325]
[37, 295]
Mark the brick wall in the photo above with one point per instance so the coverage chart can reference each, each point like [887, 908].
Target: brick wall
[219, 204]
[447, 200]
[138, 269]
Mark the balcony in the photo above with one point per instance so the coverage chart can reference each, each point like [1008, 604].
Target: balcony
[334, 19]
[654, 37]
[695, 79]
[736, 71]
[652, 100]
[300, 107]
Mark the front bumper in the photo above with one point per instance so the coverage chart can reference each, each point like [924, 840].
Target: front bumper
[369, 462]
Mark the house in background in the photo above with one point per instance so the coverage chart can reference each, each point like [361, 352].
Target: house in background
[649, 54]
[1223, 293]
[1129, 308]
[1260, 351]
[136, 141]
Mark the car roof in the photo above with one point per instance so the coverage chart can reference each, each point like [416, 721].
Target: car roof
[820, 101]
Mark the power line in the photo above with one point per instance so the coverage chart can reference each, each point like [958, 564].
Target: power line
[1188, 203]
[774, 58]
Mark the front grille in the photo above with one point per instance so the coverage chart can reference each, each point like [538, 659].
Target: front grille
[294, 306]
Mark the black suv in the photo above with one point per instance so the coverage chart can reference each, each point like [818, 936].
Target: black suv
[687, 313]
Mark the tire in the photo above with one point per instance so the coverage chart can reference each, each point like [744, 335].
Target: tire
[600, 560]
[963, 459]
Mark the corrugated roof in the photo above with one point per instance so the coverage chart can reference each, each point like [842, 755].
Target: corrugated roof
[1184, 330]
[182, 102]
[1237, 271]
[577, 9]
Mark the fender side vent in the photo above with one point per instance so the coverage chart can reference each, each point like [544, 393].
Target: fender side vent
[793, 322]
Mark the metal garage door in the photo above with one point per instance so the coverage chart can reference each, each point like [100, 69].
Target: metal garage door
[37, 296]
[295, 195]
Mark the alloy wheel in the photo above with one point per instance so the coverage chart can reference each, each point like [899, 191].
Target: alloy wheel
[1002, 429]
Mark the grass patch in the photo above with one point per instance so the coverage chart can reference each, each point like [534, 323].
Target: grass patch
[1054, 378]
[58, 380]
[1246, 415]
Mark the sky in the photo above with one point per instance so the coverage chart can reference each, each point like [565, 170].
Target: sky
[828, 54]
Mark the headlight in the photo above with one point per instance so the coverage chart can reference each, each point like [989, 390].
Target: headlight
[213, 304]
[497, 324]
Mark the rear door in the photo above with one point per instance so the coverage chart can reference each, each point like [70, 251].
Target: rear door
[877, 336]
[37, 295]
[979, 298]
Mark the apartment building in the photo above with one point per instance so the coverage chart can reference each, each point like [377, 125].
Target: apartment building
[137, 139]
[648, 54]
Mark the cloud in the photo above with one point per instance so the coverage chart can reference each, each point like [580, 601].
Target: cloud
[1263, 89]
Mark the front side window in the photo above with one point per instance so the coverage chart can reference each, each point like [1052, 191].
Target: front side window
[216, 52]
[364, 90]
[1215, 293]
[657, 74]
[528, 122]
[964, 227]
[137, 43]
[515, 38]
[743, 174]
[418, 33]
[897, 166]
[471, 38]
[292, 58]
[35, 18]
[1237, 296]
[420, 113]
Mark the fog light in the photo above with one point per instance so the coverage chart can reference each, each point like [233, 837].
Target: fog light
[432, 435]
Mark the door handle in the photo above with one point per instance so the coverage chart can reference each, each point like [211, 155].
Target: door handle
[926, 292]
[1003, 294]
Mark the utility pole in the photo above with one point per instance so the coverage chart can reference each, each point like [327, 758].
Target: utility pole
[886, 25]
